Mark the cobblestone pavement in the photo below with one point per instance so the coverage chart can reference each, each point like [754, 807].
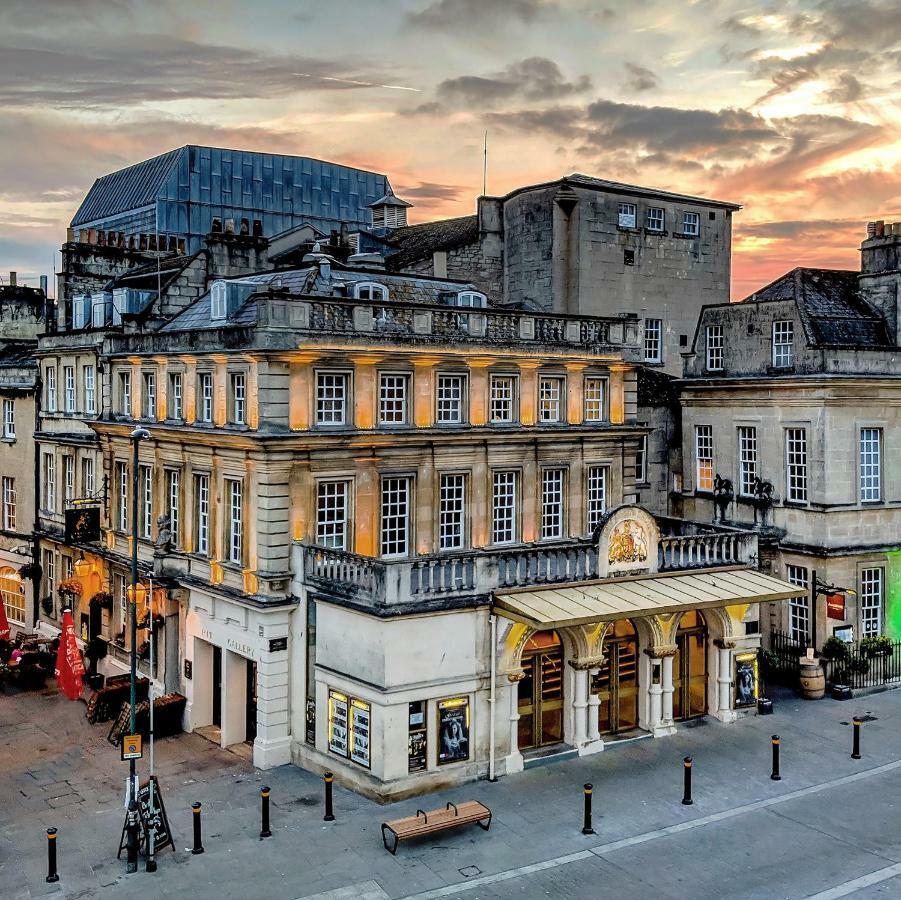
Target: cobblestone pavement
[831, 828]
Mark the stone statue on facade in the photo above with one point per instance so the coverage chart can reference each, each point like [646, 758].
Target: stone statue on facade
[164, 536]
[723, 495]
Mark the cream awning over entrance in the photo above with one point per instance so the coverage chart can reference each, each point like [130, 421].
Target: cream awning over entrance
[605, 601]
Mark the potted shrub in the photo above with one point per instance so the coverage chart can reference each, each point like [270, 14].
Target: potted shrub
[877, 645]
[47, 605]
[835, 650]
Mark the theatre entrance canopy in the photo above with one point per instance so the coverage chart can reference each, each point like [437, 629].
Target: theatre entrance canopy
[644, 575]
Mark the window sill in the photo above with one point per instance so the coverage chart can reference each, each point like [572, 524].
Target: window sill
[780, 370]
[796, 504]
[628, 229]
[658, 232]
[7, 440]
[686, 235]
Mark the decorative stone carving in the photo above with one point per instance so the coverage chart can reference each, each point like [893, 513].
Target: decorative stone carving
[627, 544]
[164, 536]
[514, 677]
[725, 643]
[591, 662]
[661, 652]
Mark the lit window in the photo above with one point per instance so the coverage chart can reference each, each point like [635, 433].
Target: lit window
[146, 478]
[331, 398]
[551, 391]
[395, 516]
[714, 345]
[218, 300]
[503, 396]
[656, 219]
[452, 512]
[783, 344]
[202, 514]
[747, 460]
[641, 460]
[69, 389]
[870, 602]
[799, 607]
[704, 457]
[503, 507]
[125, 393]
[627, 215]
[870, 465]
[49, 469]
[393, 392]
[122, 487]
[552, 481]
[12, 595]
[370, 290]
[173, 493]
[205, 381]
[239, 398]
[175, 396]
[235, 535]
[691, 224]
[9, 420]
[596, 495]
[90, 391]
[796, 465]
[149, 410]
[450, 395]
[594, 399]
[50, 386]
[9, 504]
[332, 514]
[68, 477]
[653, 340]
[472, 299]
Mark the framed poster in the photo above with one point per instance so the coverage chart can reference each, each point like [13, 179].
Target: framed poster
[337, 723]
[746, 682]
[417, 740]
[359, 722]
[311, 720]
[453, 730]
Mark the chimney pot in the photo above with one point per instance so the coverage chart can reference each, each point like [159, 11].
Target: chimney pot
[12, 279]
[257, 228]
[229, 226]
[216, 226]
[871, 229]
[880, 228]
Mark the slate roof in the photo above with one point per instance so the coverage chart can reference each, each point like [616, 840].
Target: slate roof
[144, 278]
[417, 242]
[830, 307]
[622, 188]
[130, 188]
[16, 355]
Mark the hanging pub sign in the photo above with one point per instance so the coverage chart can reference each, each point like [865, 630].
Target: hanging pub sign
[746, 682]
[835, 606]
[83, 524]
[453, 730]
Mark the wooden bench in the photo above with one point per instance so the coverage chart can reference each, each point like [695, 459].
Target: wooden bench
[436, 820]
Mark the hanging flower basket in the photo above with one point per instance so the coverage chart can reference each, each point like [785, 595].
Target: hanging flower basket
[30, 571]
[71, 587]
[103, 599]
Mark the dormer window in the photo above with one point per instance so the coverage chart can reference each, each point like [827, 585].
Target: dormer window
[370, 290]
[218, 304]
[472, 299]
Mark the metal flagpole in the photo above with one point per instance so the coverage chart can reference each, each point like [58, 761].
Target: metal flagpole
[151, 825]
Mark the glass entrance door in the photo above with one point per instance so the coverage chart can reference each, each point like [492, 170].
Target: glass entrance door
[541, 692]
[616, 683]
[690, 668]
[217, 686]
[250, 725]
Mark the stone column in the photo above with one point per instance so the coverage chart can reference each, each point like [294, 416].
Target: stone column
[579, 683]
[724, 711]
[272, 746]
[665, 655]
[424, 392]
[528, 393]
[586, 735]
[594, 704]
[574, 393]
[514, 761]
[617, 394]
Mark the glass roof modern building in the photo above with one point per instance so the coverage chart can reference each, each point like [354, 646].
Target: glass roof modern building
[180, 193]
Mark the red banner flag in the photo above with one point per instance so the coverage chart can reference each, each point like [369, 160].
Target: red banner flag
[69, 667]
[4, 622]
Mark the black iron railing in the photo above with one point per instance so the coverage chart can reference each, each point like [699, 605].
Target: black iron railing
[782, 661]
[862, 667]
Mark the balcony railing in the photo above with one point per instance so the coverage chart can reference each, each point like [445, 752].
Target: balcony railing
[435, 578]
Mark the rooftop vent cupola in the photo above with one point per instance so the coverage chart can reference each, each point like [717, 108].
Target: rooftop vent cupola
[389, 211]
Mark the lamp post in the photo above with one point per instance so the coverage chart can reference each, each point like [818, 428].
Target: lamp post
[138, 435]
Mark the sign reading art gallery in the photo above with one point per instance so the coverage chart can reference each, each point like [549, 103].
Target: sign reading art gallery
[453, 730]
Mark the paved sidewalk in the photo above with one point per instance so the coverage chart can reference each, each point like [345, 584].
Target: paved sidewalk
[829, 821]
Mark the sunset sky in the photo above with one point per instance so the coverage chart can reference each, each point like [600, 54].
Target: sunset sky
[791, 109]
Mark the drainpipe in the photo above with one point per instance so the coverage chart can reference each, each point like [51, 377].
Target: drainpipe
[492, 618]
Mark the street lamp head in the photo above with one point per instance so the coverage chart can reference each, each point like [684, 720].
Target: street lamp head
[140, 434]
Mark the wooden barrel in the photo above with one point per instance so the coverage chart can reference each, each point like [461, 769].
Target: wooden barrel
[813, 679]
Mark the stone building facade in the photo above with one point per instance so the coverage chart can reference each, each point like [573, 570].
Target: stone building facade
[797, 386]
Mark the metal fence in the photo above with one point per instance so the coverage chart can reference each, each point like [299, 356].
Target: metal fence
[782, 662]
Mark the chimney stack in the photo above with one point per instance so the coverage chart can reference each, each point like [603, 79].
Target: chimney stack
[880, 273]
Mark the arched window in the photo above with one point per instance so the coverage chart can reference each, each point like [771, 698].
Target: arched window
[370, 290]
[218, 305]
[472, 299]
[12, 592]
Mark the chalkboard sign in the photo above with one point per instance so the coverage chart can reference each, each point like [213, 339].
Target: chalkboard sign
[162, 832]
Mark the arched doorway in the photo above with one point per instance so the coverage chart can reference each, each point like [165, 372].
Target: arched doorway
[616, 683]
[690, 667]
[540, 697]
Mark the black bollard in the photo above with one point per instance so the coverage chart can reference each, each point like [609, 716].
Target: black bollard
[855, 753]
[686, 796]
[329, 812]
[264, 802]
[198, 845]
[52, 874]
[586, 824]
[775, 776]
[132, 825]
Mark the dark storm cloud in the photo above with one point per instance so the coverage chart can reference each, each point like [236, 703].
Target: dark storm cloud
[638, 78]
[468, 13]
[535, 78]
[427, 191]
[797, 228]
[558, 121]
[145, 68]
